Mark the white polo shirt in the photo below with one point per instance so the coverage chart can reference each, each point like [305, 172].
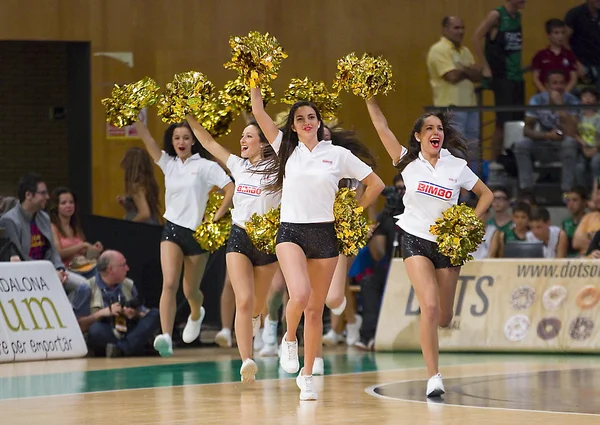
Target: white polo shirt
[249, 196]
[430, 191]
[187, 186]
[311, 180]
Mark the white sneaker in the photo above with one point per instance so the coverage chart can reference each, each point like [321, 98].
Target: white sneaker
[353, 331]
[258, 343]
[268, 350]
[191, 332]
[223, 338]
[255, 325]
[435, 386]
[288, 355]
[269, 335]
[307, 387]
[248, 371]
[331, 338]
[164, 345]
[318, 366]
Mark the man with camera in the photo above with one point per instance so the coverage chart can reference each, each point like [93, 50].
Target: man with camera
[116, 321]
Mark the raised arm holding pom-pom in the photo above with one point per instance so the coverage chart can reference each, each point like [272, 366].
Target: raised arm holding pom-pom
[434, 178]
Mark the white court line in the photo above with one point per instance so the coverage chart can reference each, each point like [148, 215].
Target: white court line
[371, 391]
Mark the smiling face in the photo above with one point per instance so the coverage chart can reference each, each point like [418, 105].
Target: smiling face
[431, 136]
[306, 123]
[250, 143]
[183, 142]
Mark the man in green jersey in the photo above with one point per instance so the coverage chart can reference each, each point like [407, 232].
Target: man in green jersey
[498, 45]
[576, 200]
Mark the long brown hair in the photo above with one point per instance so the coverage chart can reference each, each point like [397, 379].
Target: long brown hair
[139, 173]
[349, 139]
[453, 140]
[53, 212]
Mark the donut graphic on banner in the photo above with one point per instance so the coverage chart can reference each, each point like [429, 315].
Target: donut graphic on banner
[522, 298]
[516, 327]
[554, 297]
[549, 328]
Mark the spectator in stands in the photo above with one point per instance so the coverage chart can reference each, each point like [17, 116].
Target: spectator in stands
[28, 227]
[498, 45]
[517, 232]
[576, 200]
[588, 136]
[554, 238]
[554, 57]
[549, 134]
[584, 39]
[7, 203]
[141, 202]
[588, 226]
[116, 321]
[66, 231]
[452, 72]
[502, 219]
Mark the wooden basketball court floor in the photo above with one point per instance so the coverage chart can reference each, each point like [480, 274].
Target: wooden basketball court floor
[202, 386]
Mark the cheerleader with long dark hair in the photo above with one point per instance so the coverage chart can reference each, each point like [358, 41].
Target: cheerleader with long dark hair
[433, 177]
[307, 170]
[189, 177]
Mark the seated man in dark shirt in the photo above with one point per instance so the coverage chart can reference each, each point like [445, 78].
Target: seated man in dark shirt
[116, 321]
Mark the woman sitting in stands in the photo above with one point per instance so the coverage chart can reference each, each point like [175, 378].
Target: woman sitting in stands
[68, 236]
[140, 202]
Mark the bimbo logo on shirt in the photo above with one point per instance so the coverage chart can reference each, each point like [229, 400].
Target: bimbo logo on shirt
[434, 190]
[249, 190]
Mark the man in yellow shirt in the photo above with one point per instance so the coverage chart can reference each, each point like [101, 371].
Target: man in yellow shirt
[452, 72]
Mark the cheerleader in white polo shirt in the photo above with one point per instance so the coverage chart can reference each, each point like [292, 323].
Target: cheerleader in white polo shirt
[307, 172]
[433, 178]
[250, 270]
[189, 177]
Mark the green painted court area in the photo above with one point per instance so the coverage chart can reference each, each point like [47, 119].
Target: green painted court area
[226, 371]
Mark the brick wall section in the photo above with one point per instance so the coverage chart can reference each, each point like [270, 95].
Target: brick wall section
[33, 79]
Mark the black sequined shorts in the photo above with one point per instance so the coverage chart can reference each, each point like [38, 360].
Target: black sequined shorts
[415, 246]
[183, 237]
[240, 242]
[317, 240]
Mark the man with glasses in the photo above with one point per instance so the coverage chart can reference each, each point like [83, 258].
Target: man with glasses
[28, 227]
[115, 319]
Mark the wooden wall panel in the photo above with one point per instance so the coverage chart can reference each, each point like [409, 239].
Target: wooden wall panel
[170, 36]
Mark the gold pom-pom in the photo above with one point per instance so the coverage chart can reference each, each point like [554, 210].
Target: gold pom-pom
[459, 232]
[235, 96]
[262, 230]
[365, 77]
[351, 226]
[215, 117]
[184, 95]
[126, 101]
[213, 235]
[315, 92]
[256, 57]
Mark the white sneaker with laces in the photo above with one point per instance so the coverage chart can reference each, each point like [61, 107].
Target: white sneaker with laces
[164, 345]
[288, 355]
[435, 386]
[269, 335]
[307, 387]
[223, 338]
[268, 350]
[331, 338]
[191, 332]
[318, 366]
[353, 331]
[248, 371]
